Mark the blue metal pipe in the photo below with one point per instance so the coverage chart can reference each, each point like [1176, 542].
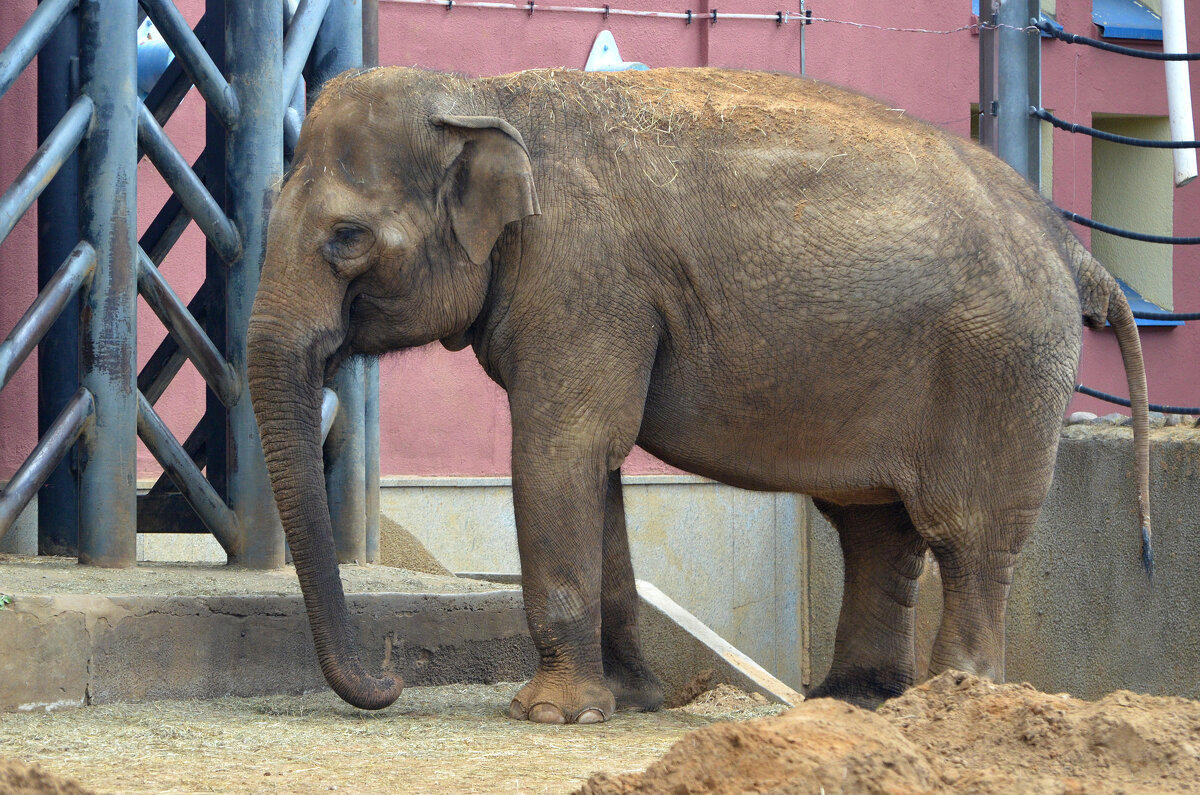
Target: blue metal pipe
[41, 315]
[199, 492]
[29, 40]
[338, 47]
[298, 44]
[58, 232]
[196, 199]
[371, 446]
[50, 449]
[108, 358]
[221, 98]
[217, 373]
[254, 46]
[46, 162]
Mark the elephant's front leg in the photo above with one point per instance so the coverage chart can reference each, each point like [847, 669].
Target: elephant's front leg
[625, 670]
[559, 507]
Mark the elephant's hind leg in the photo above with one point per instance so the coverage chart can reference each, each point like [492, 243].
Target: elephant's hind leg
[873, 654]
[625, 670]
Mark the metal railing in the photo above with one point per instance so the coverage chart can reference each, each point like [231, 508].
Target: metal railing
[246, 69]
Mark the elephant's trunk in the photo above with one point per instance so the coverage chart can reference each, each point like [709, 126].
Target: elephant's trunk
[287, 402]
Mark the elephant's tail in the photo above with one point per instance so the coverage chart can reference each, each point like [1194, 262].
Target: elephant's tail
[1103, 301]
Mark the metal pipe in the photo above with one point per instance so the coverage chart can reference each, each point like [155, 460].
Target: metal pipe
[165, 229]
[371, 434]
[338, 47]
[199, 492]
[50, 449]
[45, 163]
[1018, 84]
[58, 233]
[254, 46]
[1179, 90]
[195, 343]
[30, 39]
[370, 32]
[222, 100]
[329, 410]
[298, 43]
[345, 465]
[45, 309]
[108, 358]
[167, 358]
[196, 199]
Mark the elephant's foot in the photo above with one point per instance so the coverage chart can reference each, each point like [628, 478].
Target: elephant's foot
[633, 684]
[866, 689]
[549, 698]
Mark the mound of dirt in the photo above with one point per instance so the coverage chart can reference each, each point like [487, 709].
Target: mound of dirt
[18, 778]
[401, 549]
[956, 733]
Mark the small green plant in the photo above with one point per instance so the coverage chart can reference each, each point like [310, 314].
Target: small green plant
[5, 600]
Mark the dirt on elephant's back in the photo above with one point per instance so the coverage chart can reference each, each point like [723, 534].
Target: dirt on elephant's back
[955, 734]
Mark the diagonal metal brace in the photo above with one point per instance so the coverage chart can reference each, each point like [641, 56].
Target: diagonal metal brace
[220, 96]
[196, 199]
[187, 332]
[192, 484]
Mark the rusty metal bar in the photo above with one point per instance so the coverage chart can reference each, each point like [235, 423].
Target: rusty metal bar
[199, 492]
[108, 359]
[44, 164]
[196, 199]
[50, 449]
[221, 98]
[45, 309]
[29, 40]
[164, 231]
[217, 373]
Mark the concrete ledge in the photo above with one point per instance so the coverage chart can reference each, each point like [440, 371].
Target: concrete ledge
[74, 649]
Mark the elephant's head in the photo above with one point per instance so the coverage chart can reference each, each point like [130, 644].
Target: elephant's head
[380, 239]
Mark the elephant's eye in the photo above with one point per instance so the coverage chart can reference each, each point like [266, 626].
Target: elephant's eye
[348, 242]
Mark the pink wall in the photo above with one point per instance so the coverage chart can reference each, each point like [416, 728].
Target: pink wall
[441, 416]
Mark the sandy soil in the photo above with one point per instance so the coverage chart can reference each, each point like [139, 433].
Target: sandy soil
[955, 734]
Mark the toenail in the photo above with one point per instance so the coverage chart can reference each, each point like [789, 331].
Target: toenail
[590, 716]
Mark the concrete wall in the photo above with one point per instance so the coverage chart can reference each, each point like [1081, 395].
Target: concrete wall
[765, 571]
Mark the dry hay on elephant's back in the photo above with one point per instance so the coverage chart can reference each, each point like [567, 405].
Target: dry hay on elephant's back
[956, 733]
[18, 778]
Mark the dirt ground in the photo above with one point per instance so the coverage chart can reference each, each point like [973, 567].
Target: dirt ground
[955, 734]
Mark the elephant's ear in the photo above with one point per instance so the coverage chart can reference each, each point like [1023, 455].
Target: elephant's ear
[489, 184]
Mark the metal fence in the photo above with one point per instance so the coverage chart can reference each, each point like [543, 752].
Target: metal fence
[246, 59]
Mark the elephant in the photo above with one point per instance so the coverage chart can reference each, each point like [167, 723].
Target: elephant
[759, 278]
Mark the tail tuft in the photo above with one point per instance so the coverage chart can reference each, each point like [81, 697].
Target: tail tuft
[1147, 553]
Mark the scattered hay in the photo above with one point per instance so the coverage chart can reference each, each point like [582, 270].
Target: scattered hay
[451, 739]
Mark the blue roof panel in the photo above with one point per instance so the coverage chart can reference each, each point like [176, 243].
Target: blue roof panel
[1126, 19]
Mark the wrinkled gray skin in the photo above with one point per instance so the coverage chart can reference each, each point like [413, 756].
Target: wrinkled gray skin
[759, 279]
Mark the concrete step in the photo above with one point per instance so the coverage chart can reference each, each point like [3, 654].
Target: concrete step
[74, 635]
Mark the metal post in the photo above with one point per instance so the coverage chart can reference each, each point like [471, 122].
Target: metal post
[253, 164]
[338, 47]
[1019, 86]
[370, 32]
[58, 231]
[371, 444]
[988, 104]
[345, 465]
[108, 217]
